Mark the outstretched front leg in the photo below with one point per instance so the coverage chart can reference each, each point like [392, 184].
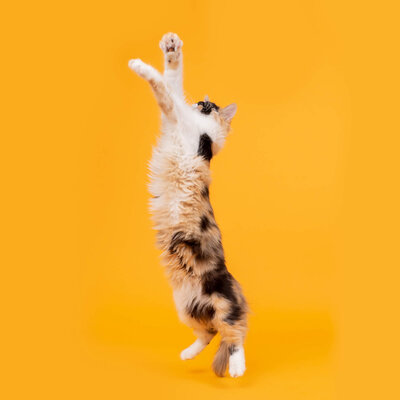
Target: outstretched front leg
[156, 81]
[171, 46]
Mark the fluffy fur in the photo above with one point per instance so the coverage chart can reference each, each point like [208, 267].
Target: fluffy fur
[207, 297]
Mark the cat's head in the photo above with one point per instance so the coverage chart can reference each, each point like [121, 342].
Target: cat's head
[221, 117]
[226, 114]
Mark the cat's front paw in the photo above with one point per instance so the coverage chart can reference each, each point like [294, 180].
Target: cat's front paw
[170, 43]
[139, 67]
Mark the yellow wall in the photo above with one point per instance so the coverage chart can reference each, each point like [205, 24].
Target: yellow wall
[304, 192]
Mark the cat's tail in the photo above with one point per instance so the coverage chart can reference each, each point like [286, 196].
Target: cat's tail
[221, 359]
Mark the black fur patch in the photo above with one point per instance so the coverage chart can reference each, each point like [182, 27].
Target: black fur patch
[178, 238]
[201, 312]
[219, 281]
[195, 246]
[235, 314]
[208, 106]
[204, 149]
[232, 349]
[206, 192]
[204, 223]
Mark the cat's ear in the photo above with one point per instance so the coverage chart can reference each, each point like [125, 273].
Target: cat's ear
[228, 112]
[206, 98]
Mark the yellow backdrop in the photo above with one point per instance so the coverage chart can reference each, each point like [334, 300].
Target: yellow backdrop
[304, 192]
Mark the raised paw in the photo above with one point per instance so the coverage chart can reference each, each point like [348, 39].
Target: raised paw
[170, 43]
[141, 68]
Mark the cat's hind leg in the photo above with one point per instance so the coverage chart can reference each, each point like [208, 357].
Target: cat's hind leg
[156, 81]
[230, 350]
[204, 337]
[171, 45]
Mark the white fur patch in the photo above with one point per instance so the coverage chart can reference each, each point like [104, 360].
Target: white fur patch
[142, 69]
[193, 350]
[237, 364]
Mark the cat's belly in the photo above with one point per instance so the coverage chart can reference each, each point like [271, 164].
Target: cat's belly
[176, 184]
[169, 207]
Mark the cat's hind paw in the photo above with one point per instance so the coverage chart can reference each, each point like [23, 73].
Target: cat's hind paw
[187, 354]
[236, 370]
[192, 351]
[171, 43]
[237, 364]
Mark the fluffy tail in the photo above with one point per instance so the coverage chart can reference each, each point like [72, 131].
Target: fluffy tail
[221, 359]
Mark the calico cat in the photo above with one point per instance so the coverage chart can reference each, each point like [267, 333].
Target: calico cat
[207, 297]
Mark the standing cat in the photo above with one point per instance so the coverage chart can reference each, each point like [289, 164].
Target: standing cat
[207, 297]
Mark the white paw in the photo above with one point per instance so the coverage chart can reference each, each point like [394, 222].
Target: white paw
[139, 67]
[170, 42]
[188, 354]
[192, 350]
[237, 364]
[236, 370]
